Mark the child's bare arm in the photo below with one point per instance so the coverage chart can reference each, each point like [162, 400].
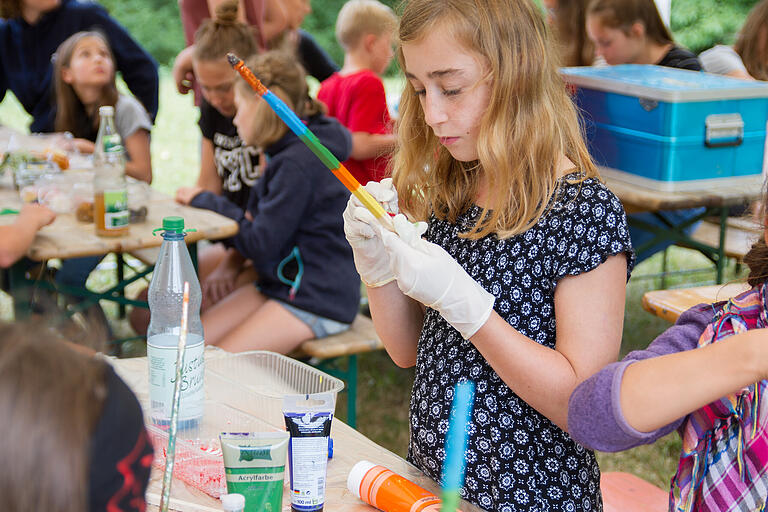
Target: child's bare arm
[208, 179]
[660, 390]
[183, 73]
[371, 145]
[589, 309]
[398, 320]
[16, 238]
[140, 165]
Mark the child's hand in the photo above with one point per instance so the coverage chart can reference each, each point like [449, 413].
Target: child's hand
[185, 195]
[37, 215]
[428, 274]
[83, 146]
[221, 281]
[362, 231]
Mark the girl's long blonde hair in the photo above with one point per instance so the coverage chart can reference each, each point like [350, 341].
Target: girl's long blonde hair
[752, 44]
[529, 124]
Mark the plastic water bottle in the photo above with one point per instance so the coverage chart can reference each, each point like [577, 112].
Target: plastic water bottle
[166, 292]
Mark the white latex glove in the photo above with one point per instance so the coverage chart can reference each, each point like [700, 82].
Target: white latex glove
[362, 231]
[427, 273]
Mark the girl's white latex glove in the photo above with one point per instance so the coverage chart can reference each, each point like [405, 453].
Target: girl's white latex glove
[427, 273]
[362, 231]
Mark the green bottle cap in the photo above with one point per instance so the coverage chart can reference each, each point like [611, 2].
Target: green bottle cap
[173, 224]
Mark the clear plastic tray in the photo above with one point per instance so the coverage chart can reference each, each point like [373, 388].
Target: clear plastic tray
[257, 381]
[198, 461]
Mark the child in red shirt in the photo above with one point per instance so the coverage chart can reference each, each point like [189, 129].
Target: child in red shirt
[355, 95]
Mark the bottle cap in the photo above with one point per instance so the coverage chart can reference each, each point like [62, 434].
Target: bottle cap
[173, 224]
[106, 110]
[233, 502]
[356, 475]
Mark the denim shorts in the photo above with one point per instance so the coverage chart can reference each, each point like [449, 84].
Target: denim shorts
[321, 327]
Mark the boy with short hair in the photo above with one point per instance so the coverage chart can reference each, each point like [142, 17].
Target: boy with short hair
[355, 95]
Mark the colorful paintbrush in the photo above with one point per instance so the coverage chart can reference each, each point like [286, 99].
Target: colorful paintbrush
[312, 142]
[170, 456]
[456, 445]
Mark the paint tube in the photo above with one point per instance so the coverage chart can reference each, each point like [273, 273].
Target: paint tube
[388, 491]
[254, 463]
[308, 419]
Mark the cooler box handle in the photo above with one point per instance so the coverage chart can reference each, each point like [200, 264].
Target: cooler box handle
[723, 130]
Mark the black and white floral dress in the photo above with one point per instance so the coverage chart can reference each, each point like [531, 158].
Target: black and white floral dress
[517, 460]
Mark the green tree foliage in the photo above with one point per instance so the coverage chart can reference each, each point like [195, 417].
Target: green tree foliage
[697, 24]
[701, 24]
[155, 24]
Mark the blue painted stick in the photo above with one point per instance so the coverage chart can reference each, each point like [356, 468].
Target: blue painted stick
[456, 445]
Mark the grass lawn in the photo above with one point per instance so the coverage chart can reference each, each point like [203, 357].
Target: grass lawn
[384, 389]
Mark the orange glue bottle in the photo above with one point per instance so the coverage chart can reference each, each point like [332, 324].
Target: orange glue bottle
[388, 491]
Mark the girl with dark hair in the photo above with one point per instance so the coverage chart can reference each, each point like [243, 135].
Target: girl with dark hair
[632, 32]
[714, 396]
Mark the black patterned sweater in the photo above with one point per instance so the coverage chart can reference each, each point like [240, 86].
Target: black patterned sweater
[517, 459]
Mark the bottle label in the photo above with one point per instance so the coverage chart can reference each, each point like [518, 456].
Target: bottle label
[116, 214]
[112, 143]
[161, 353]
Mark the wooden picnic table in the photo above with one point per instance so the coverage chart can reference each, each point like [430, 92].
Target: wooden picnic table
[66, 238]
[670, 304]
[349, 445]
[715, 200]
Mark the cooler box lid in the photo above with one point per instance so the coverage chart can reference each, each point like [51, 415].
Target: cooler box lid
[663, 84]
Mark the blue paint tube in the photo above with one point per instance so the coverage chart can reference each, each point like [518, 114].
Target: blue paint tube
[308, 419]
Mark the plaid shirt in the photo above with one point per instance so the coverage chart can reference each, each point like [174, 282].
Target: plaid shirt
[724, 460]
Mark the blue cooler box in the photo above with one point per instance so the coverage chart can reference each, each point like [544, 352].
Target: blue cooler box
[672, 129]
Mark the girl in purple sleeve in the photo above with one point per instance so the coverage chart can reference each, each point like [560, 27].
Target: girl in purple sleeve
[713, 396]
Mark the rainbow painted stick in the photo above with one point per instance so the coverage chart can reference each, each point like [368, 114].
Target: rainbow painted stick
[312, 142]
[456, 445]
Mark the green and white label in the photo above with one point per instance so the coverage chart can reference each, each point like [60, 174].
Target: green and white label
[112, 143]
[116, 214]
[162, 377]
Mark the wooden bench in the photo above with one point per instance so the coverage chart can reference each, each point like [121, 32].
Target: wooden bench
[740, 234]
[625, 492]
[327, 353]
[670, 304]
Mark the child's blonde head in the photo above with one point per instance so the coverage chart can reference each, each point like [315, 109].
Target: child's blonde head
[530, 121]
[622, 14]
[281, 73]
[358, 18]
